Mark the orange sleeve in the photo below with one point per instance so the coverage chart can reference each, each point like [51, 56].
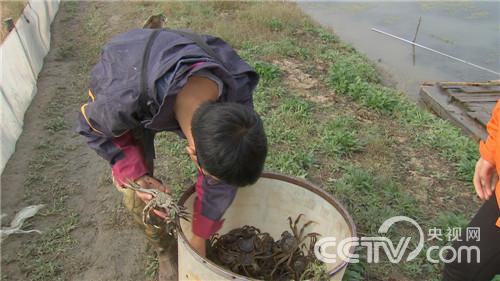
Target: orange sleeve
[487, 148]
[497, 194]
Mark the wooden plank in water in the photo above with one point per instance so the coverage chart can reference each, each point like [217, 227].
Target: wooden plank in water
[466, 98]
[481, 111]
[466, 84]
[491, 91]
[473, 89]
[482, 106]
[482, 117]
[439, 101]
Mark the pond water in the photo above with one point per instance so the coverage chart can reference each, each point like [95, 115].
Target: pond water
[467, 30]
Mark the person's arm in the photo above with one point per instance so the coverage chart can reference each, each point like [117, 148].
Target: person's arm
[197, 91]
[484, 175]
[199, 244]
[212, 200]
[110, 136]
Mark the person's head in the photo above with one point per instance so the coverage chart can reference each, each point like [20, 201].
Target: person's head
[230, 142]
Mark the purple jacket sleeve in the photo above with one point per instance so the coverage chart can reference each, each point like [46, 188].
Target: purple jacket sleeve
[212, 200]
[121, 151]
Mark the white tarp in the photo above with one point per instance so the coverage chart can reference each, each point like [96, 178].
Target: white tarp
[21, 59]
[18, 221]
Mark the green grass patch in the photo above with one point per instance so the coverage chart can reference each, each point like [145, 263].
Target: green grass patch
[284, 48]
[323, 34]
[347, 68]
[354, 272]
[268, 72]
[293, 161]
[152, 265]
[38, 258]
[66, 50]
[180, 169]
[290, 122]
[266, 98]
[378, 98]
[353, 75]
[57, 124]
[275, 24]
[447, 221]
[372, 197]
[340, 138]
[295, 107]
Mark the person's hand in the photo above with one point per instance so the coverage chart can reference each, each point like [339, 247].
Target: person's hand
[485, 179]
[149, 182]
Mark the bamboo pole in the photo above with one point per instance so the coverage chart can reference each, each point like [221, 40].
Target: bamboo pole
[437, 52]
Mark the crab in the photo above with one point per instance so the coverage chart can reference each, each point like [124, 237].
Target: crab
[248, 251]
[243, 250]
[265, 244]
[290, 246]
[161, 200]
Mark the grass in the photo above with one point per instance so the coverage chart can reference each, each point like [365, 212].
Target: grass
[152, 265]
[291, 161]
[52, 243]
[347, 69]
[66, 50]
[316, 270]
[447, 222]
[355, 272]
[355, 76]
[57, 124]
[339, 138]
[268, 72]
[372, 197]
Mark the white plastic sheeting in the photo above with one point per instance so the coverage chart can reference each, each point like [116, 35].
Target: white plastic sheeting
[18, 221]
[21, 59]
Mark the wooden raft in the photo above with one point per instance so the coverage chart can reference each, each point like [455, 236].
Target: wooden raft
[466, 104]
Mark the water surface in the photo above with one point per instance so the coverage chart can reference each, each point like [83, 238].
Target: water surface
[468, 30]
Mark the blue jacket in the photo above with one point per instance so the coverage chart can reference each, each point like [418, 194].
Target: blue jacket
[123, 96]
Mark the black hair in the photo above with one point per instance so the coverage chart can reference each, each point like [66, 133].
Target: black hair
[230, 142]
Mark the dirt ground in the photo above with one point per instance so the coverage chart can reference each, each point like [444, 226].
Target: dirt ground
[84, 224]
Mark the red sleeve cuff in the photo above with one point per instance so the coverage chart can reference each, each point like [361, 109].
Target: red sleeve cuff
[205, 227]
[132, 166]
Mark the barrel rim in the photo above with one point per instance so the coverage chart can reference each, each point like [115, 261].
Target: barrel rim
[276, 176]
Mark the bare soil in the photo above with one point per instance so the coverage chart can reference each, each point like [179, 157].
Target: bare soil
[87, 233]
